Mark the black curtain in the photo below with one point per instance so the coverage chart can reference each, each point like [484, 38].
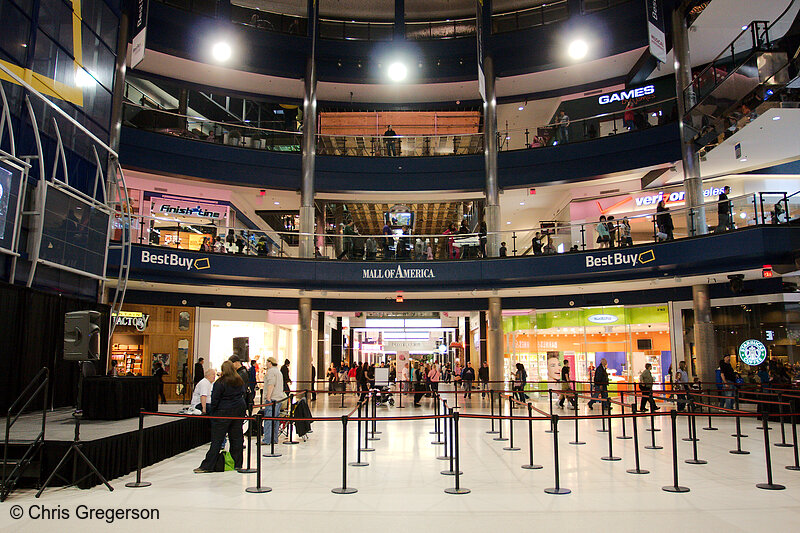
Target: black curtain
[32, 337]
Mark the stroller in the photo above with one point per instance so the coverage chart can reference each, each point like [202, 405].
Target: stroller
[383, 397]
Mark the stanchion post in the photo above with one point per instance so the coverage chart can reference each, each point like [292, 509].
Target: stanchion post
[634, 421]
[258, 489]
[796, 465]
[272, 452]
[341, 394]
[435, 413]
[249, 470]
[675, 487]
[769, 485]
[531, 465]
[500, 420]
[458, 489]
[693, 428]
[139, 483]
[710, 426]
[577, 441]
[451, 454]
[491, 406]
[446, 433]
[603, 418]
[652, 429]
[400, 392]
[558, 489]
[344, 489]
[738, 433]
[511, 447]
[610, 456]
[622, 420]
[550, 395]
[782, 443]
[366, 447]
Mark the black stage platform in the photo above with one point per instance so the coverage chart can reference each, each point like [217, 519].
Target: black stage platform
[111, 445]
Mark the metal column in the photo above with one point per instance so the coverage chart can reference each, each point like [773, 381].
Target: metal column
[693, 183]
[305, 348]
[309, 152]
[494, 352]
[706, 355]
[486, 80]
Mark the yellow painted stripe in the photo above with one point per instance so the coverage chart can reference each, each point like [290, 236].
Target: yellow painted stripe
[77, 45]
[43, 84]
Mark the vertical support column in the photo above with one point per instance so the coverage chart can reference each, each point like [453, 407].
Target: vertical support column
[183, 106]
[704, 345]
[399, 20]
[495, 340]
[304, 345]
[484, 338]
[487, 88]
[309, 147]
[118, 95]
[693, 183]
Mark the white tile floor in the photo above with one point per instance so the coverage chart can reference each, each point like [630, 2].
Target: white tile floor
[402, 488]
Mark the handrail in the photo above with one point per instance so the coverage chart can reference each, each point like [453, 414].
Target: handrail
[45, 371]
[372, 137]
[576, 236]
[7, 482]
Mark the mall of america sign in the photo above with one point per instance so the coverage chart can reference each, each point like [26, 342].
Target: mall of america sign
[397, 273]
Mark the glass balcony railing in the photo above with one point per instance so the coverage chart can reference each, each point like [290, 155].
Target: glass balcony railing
[200, 129]
[245, 135]
[346, 243]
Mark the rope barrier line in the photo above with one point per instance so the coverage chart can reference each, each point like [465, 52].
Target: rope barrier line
[725, 409]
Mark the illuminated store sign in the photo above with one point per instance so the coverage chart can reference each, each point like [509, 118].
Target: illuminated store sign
[619, 259]
[677, 196]
[131, 319]
[198, 211]
[752, 352]
[172, 259]
[397, 273]
[621, 96]
[602, 319]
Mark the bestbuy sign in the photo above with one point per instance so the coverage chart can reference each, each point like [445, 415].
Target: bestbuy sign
[627, 95]
[619, 259]
[175, 260]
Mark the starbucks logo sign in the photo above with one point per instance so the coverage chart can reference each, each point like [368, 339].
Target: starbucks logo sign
[752, 352]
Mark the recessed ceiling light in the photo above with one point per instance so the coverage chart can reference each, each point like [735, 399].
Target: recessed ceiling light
[776, 118]
[521, 107]
[744, 159]
[277, 203]
[578, 49]
[508, 222]
[744, 27]
[397, 71]
[221, 51]
[522, 203]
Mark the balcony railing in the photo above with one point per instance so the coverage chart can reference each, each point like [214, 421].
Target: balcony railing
[646, 228]
[372, 145]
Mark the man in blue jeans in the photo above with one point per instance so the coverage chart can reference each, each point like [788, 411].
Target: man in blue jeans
[273, 397]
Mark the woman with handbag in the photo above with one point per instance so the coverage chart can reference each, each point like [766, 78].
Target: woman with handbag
[227, 399]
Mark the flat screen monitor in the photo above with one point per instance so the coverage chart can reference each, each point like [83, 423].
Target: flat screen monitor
[381, 377]
[644, 344]
[400, 219]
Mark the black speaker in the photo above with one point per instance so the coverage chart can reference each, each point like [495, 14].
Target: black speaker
[82, 336]
[241, 348]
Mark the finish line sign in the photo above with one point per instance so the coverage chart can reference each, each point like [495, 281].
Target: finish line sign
[397, 273]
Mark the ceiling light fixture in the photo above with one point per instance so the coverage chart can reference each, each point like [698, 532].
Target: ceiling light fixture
[397, 71]
[578, 49]
[221, 51]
